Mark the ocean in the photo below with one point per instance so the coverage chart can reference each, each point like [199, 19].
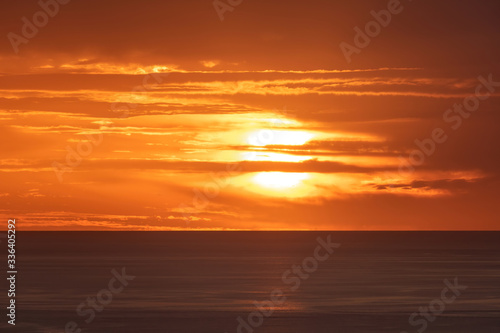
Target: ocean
[263, 282]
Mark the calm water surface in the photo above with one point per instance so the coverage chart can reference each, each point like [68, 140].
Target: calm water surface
[203, 281]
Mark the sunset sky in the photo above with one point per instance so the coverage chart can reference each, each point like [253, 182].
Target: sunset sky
[158, 115]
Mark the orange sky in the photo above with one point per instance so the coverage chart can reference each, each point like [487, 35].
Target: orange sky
[157, 115]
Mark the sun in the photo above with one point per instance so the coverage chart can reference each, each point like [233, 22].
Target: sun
[280, 180]
[265, 137]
